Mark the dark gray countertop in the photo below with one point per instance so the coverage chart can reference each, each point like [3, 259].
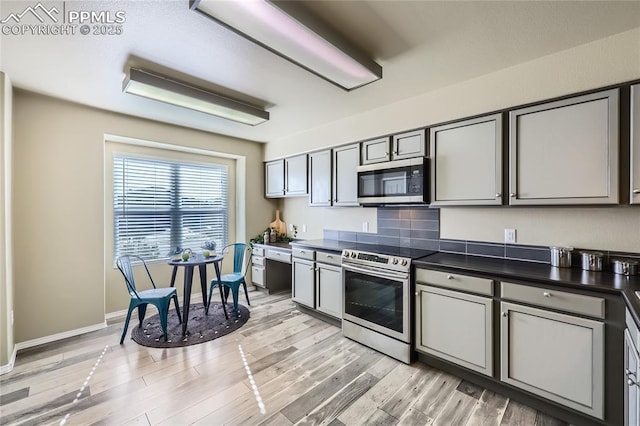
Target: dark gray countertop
[285, 246]
[605, 281]
[329, 245]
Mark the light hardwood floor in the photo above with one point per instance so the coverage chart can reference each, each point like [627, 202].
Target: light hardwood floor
[283, 367]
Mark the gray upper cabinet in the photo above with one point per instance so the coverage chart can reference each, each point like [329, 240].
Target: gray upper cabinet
[565, 152]
[408, 145]
[320, 178]
[635, 145]
[274, 179]
[466, 162]
[286, 177]
[345, 179]
[375, 151]
[295, 174]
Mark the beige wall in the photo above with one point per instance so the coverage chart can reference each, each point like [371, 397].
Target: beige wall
[608, 61]
[60, 238]
[7, 342]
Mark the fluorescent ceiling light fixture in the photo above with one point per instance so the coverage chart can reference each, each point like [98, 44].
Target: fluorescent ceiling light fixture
[286, 29]
[174, 92]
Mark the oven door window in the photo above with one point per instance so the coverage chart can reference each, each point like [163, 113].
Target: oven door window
[374, 299]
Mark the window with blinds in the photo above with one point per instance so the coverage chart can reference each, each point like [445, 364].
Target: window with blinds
[162, 207]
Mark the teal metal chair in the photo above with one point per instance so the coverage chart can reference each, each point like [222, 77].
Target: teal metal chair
[159, 297]
[232, 282]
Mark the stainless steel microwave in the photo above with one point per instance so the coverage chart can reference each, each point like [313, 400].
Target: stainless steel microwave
[394, 182]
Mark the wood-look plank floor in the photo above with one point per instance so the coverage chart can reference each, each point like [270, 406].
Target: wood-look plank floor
[283, 367]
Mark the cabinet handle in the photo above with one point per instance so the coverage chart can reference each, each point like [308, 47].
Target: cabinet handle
[302, 251]
[629, 373]
[449, 277]
[498, 195]
[504, 314]
[417, 294]
[546, 294]
[512, 195]
[330, 256]
[636, 191]
[313, 269]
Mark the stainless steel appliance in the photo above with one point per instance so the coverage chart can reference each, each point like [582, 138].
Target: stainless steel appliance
[394, 182]
[377, 307]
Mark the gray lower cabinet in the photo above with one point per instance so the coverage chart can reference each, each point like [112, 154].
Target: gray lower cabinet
[466, 160]
[257, 267]
[345, 178]
[320, 178]
[635, 145]
[557, 356]
[329, 289]
[455, 326]
[632, 373]
[303, 282]
[565, 152]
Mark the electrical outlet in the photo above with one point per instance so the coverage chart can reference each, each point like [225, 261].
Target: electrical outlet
[510, 236]
[365, 226]
[304, 227]
[291, 227]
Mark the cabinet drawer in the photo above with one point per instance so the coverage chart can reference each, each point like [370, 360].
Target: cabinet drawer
[279, 256]
[455, 281]
[258, 251]
[257, 275]
[303, 253]
[258, 260]
[330, 258]
[555, 299]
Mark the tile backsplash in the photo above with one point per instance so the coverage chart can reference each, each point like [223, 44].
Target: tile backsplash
[419, 227]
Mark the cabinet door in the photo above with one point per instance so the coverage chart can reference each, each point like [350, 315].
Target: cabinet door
[565, 152]
[345, 175]
[455, 326]
[274, 179]
[375, 151]
[303, 282]
[257, 275]
[466, 160]
[320, 178]
[631, 391]
[295, 172]
[635, 145]
[329, 289]
[559, 357]
[408, 145]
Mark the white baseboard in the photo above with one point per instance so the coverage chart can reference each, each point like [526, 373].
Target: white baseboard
[8, 367]
[60, 336]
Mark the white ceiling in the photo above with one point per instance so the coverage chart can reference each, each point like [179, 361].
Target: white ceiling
[421, 45]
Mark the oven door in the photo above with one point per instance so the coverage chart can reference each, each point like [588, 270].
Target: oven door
[377, 299]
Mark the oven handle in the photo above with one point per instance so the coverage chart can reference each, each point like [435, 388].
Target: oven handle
[376, 272]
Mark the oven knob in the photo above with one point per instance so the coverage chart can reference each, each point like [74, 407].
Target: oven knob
[394, 261]
[345, 254]
[353, 254]
[404, 262]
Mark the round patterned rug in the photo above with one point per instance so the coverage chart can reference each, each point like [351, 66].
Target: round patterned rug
[200, 328]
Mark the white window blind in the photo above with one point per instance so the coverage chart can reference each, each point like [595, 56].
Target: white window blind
[162, 207]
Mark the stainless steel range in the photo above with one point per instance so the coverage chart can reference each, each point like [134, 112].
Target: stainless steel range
[377, 309]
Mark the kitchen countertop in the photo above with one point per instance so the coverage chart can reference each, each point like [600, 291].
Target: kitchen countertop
[605, 281]
[320, 244]
[284, 246]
